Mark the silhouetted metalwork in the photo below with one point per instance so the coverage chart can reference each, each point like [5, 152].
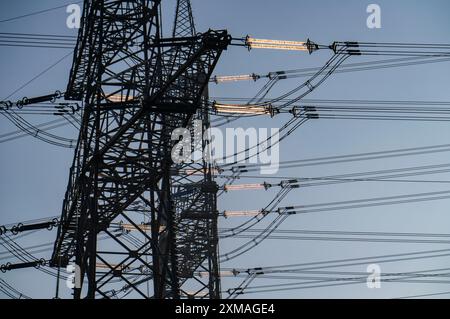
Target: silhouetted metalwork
[137, 87]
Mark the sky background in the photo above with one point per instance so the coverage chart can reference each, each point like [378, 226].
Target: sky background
[33, 175]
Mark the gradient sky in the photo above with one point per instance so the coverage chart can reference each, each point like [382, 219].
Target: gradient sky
[33, 175]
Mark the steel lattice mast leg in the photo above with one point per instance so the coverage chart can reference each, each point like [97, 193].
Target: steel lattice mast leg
[196, 195]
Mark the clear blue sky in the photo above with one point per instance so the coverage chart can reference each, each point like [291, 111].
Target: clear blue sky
[33, 175]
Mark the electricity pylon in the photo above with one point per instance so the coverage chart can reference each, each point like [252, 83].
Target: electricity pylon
[160, 218]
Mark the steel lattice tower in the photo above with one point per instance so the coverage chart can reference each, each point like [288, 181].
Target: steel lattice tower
[159, 218]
